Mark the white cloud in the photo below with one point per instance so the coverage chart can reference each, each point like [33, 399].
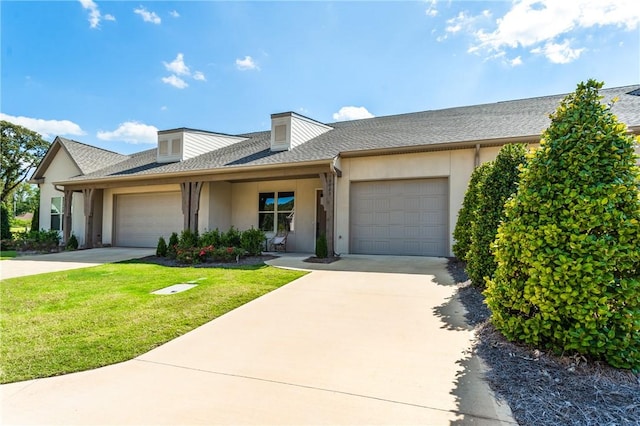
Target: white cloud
[246, 64]
[147, 16]
[94, 13]
[177, 66]
[352, 113]
[175, 81]
[132, 132]
[559, 53]
[516, 61]
[431, 9]
[538, 24]
[174, 13]
[46, 128]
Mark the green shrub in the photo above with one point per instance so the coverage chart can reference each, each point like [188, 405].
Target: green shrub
[568, 276]
[161, 247]
[188, 255]
[462, 231]
[211, 238]
[41, 241]
[188, 239]
[5, 223]
[35, 220]
[72, 244]
[499, 183]
[228, 254]
[252, 241]
[173, 245]
[321, 247]
[231, 238]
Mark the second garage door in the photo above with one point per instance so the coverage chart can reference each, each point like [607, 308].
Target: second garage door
[143, 218]
[400, 217]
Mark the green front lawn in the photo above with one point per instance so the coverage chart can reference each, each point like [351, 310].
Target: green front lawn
[63, 322]
[7, 254]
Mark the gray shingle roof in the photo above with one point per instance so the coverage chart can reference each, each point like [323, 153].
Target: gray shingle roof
[501, 120]
[90, 158]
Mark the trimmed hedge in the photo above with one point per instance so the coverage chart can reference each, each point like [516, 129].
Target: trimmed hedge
[568, 276]
[462, 231]
[498, 184]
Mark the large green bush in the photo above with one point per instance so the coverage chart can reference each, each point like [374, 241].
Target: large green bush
[462, 231]
[5, 223]
[252, 241]
[498, 184]
[568, 276]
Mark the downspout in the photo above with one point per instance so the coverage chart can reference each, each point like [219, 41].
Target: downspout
[477, 158]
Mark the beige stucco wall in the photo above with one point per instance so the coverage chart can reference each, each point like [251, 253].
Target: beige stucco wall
[219, 206]
[60, 169]
[244, 208]
[108, 204]
[456, 165]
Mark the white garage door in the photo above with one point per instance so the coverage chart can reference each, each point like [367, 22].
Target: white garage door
[142, 218]
[400, 217]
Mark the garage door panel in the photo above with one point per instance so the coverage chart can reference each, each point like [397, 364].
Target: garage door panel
[141, 219]
[403, 217]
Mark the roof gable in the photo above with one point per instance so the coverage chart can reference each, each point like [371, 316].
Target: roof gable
[86, 158]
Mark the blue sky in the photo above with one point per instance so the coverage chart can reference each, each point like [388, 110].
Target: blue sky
[112, 73]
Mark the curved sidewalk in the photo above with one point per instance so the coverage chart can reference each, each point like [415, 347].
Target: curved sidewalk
[338, 346]
[23, 266]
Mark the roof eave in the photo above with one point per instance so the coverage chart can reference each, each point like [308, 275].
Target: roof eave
[444, 146]
[200, 172]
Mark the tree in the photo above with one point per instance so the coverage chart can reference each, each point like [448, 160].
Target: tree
[5, 225]
[21, 151]
[26, 198]
[462, 231]
[499, 183]
[568, 275]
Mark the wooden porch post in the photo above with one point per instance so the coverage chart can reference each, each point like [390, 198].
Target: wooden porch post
[327, 202]
[66, 226]
[191, 204]
[89, 196]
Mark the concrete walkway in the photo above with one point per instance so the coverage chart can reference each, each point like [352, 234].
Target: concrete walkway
[42, 263]
[333, 347]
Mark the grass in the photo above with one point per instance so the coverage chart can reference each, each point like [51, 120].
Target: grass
[70, 321]
[7, 254]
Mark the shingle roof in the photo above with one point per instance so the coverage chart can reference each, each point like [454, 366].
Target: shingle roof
[90, 158]
[502, 120]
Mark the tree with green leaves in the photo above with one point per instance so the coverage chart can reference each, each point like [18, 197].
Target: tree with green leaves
[462, 231]
[21, 150]
[498, 184]
[568, 251]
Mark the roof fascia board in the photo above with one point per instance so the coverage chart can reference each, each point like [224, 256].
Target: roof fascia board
[53, 150]
[205, 174]
[446, 146]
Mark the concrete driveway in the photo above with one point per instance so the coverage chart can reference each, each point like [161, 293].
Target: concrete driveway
[333, 347]
[54, 262]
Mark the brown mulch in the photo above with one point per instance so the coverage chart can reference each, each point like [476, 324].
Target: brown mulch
[314, 259]
[542, 388]
[243, 261]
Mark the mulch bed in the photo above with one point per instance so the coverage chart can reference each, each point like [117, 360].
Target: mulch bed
[314, 259]
[544, 389]
[243, 261]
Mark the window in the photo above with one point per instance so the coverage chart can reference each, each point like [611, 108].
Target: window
[276, 211]
[57, 211]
